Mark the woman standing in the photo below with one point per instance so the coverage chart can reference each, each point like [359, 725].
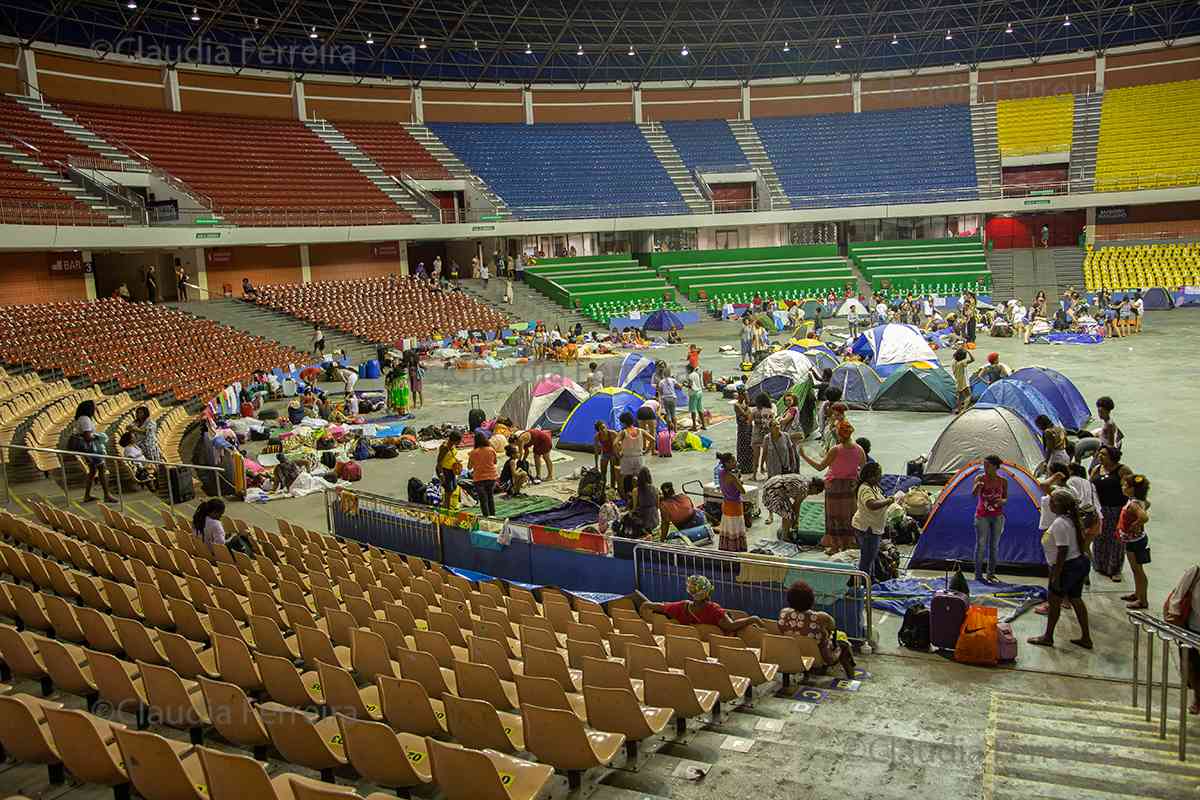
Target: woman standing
[397, 389]
[761, 419]
[732, 529]
[992, 490]
[416, 379]
[843, 461]
[1131, 530]
[789, 422]
[645, 516]
[1065, 552]
[1107, 473]
[181, 288]
[744, 415]
[448, 466]
[91, 445]
[798, 619]
[482, 462]
[632, 443]
[870, 516]
[779, 452]
[783, 495]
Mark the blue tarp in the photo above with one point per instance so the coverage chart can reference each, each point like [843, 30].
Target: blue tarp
[900, 594]
[1067, 338]
[621, 323]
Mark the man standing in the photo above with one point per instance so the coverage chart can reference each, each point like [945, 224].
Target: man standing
[962, 359]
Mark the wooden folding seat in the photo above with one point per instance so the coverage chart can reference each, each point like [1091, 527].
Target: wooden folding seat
[463, 774]
[477, 723]
[159, 768]
[559, 738]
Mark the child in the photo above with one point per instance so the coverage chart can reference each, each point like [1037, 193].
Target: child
[515, 474]
[693, 356]
[962, 386]
[609, 513]
[141, 471]
[1131, 530]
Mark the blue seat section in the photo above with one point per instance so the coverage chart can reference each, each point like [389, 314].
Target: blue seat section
[705, 143]
[913, 155]
[563, 171]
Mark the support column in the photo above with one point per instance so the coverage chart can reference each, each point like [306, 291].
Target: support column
[27, 71]
[527, 101]
[856, 94]
[89, 275]
[403, 247]
[973, 77]
[298, 105]
[171, 88]
[746, 100]
[1099, 73]
[202, 272]
[418, 105]
[1089, 228]
[637, 105]
[305, 265]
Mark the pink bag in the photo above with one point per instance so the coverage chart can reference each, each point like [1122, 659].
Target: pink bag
[1008, 642]
[664, 443]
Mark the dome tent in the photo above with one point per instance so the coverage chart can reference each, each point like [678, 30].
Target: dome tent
[1158, 299]
[858, 382]
[979, 432]
[543, 403]
[777, 373]
[852, 304]
[606, 404]
[949, 532]
[888, 347]
[912, 389]
[821, 356]
[663, 320]
[1058, 389]
[1021, 398]
[636, 373]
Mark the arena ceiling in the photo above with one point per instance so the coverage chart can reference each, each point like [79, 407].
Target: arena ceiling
[593, 41]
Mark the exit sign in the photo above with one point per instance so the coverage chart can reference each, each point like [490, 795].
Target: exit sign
[1037, 202]
[213, 235]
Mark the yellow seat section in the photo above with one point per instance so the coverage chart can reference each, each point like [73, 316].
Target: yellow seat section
[1035, 125]
[1149, 137]
[1142, 266]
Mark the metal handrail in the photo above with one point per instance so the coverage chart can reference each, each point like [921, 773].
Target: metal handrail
[409, 184]
[1184, 640]
[107, 457]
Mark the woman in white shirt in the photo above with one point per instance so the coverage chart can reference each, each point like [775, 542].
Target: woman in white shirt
[1066, 553]
[206, 524]
[91, 445]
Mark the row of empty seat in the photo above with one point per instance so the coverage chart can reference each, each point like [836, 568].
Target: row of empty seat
[382, 309]
[1149, 137]
[923, 265]
[771, 272]
[394, 149]
[1035, 125]
[706, 144]
[159, 348]
[451, 658]
[596, 280]
[1141, 266]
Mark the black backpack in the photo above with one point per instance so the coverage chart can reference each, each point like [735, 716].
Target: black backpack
[591, 486]
[416, 490]
[385, 451]
[914, 631]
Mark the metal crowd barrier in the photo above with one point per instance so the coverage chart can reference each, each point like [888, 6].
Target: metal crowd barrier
[385, 522]
[113, 462]
[757, 584]
[1167, 634]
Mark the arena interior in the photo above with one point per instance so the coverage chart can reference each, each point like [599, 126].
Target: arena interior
[318, 318]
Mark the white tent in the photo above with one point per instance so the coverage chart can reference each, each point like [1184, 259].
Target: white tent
[778, 372]
[980, 432]
[852, 304]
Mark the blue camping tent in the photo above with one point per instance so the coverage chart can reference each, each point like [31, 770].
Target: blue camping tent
[888, 347]
[1187, 296]
[607, 404]
[1020, 398]
[949, 533]
[1068, 401]
[911, 388]
[821, 357]
[1158, 299]
[858, 382]
[663, 320]
[636, 373]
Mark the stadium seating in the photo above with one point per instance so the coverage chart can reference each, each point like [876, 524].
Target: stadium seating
[561, 171]
[604, 283]
[1149, 137]
[789, 272]
[394, 149]
[257, 171]
[904, 156]
[932, 265]
[1035, 125]
[26, 199]
[1142, 266]
[706, 143]
[148, 620]
[381, 309]
[136, 344]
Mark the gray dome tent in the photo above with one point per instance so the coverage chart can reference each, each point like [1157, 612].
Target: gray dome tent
[979, 432]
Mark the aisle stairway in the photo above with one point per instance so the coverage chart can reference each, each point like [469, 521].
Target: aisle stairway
[454, 165]
[397, 193]
[1067, 749]
[1068, 267]
[92, 141]
[28, 161]
[279, 327]
[1085, 136]
[668, 156]
[756, 154]
[528, 304]
[987, 150]
[1001, 265]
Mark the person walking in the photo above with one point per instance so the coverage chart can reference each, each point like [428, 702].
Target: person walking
[991, 489]
[483, 275]
[1066, 553]
[744, 417]
[843, 461]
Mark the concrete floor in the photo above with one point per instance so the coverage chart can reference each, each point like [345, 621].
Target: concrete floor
[1056, 725]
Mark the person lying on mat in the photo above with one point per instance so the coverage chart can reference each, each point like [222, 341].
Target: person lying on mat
[699, 610]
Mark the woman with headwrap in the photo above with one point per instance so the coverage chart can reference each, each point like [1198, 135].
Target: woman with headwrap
[843, 462]
[699, 609]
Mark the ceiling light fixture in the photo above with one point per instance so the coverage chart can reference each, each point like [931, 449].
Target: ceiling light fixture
[787, 47]
[632, 52]
[1067, 21]
[370, 38]
[421, 44]
[476, 45]
[949, 35]
[684, 51]
[1009, 28]
[131, 5]
[837, 44]
[895, 39]
[528, 49]
[256, 23]
[313, 33]
[579, 50]
[195, 14]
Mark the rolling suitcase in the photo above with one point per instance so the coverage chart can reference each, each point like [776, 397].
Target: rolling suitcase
[947, 611]
[475, 417]
[664, 443]
[180, 480]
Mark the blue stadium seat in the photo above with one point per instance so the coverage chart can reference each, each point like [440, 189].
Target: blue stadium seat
[562, 171]
[705, 143]
[905, 156]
